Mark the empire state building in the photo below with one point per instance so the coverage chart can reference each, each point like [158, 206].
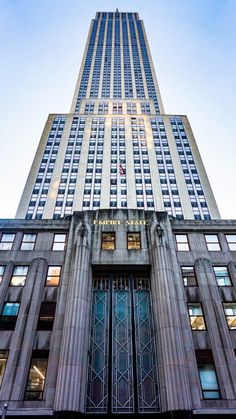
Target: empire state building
[117, 148]
[117, 276]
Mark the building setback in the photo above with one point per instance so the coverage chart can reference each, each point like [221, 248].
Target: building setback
[117, 148]
[117, 277]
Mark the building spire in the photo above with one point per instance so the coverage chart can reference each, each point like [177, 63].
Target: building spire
[117, 11]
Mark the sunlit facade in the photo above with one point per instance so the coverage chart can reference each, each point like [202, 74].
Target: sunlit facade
[117, 148]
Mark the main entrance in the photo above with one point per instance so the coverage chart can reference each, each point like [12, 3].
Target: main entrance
[122, 370]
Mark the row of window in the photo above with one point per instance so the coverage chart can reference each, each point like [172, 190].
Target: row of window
[212, 242]
[36, 375]
[221, 274]
[117, 108]
[20, 273]
[182, 242]
[10, 313]
[197, 320]
[29, 240]
[109, 241]
[39, 362]
[59, 241]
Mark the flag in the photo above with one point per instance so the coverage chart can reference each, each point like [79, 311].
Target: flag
[121, 169]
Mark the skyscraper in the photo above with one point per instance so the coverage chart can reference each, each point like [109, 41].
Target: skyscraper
[118, 278]
[117, 148]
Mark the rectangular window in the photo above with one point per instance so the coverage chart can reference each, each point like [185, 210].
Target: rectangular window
[37, 375]
[59, 242]
[6, 241]
[108, 241]
[196, 316]
[9, 316]
[53, 276]
[212, 242]
[46, 316]
[182, 242]
[28, 242]
[189, 276]
[2, 269]
[207, 374]
[231, 240]
[222, 276]
[19, 276]
[133, 241]
[230, 314]
[3, 363]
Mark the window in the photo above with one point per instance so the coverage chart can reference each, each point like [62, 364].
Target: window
[231, 240]
[230, 314]
[182, 242]
[108, 241]
[59, 242]
[207, 374]
[46, 316]
[212, 242]
[19, 276]
[2, 269]
[3, 363]
[222, 276]
[9, 316]
[53, 276]
[196, 316]
[28, 242]
[37, 375]
[7, 241]
[189, 276]
[133, 241]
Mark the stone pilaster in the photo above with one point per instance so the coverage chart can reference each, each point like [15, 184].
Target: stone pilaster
[219, 336]
[173, 378]
[71, 380]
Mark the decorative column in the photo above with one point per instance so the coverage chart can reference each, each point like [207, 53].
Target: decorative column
[219, 335]
[173, 378]
[72, 372]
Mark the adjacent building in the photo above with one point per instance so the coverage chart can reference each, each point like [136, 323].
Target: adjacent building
[117, 277]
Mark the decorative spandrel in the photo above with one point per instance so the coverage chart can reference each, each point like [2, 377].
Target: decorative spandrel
[148, 400]
[98, 355]
[122, 365]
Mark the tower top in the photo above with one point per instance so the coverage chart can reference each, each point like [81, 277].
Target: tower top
[117, 11]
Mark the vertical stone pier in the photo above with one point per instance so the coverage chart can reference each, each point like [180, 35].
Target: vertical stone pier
[173, 378]
[71, 380]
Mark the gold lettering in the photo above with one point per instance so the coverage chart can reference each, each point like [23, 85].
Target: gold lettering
[119, 222]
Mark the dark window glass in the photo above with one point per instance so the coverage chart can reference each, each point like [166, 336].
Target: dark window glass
[189, 276]
[46, 316]
[3, 363]
[37, 375]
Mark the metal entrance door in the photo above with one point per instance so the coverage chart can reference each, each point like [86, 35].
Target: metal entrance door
[122, 367]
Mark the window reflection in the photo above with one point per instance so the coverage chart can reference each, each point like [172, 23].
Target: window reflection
[3, 363]
[196, 316]
[37, 375]
[108, 241]
[134, 241]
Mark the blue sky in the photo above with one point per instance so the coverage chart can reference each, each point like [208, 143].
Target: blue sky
[193, 43]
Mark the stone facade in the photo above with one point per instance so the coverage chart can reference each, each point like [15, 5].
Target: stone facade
[68, 343]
